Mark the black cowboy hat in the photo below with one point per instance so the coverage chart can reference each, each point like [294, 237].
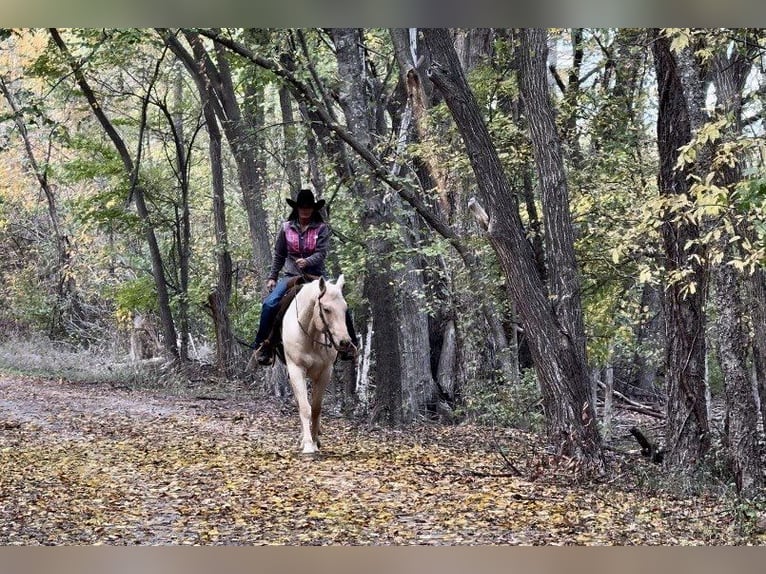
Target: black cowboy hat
[305, 198]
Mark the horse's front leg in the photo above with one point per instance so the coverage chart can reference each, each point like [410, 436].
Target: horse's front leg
[298, 383]
[317, 393]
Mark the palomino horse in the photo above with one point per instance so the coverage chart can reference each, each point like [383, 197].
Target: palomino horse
[313, 331]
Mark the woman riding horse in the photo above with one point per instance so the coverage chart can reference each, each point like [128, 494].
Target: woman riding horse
[302, 244]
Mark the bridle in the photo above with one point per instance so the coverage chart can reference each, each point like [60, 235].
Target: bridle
[329, 340]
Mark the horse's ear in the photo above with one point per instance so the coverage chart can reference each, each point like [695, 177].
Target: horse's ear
[341, 280]
[322, 285]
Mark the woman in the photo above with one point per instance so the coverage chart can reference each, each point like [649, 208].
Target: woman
[301, 248]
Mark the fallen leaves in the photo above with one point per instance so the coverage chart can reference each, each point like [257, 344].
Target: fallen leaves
[91, 465]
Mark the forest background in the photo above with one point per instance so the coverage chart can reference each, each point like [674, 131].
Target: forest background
[531, 222]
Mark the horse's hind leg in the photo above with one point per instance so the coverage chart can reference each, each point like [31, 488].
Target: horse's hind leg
[298, 383]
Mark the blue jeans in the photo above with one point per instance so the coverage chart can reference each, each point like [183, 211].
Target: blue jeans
[269, 311]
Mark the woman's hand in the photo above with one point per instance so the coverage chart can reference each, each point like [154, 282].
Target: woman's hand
[270, 284]
[301, 263]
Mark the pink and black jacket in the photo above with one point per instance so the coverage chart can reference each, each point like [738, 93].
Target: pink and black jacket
[312, 245]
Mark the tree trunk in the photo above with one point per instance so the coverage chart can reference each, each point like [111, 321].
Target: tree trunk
[687, 435]
[757, 297]
[202, 70]
[241, 138]
[292, 166]
[570, 415]
[741, 427]
[649, 341]
[473, 45]
[563, 277]
[183, 220]
[402, 368]
[729, 74]
[406, 50]
[220, 296]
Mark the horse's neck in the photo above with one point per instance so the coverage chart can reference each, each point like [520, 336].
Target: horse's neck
[304, 302]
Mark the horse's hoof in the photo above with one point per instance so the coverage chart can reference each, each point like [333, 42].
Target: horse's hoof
[310, 449]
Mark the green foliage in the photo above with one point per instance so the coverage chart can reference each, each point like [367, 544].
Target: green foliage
[506, 405]
[348, 253]
[618, 246]
[135, 295]
[749, 516]
[105, 210]
[93, 157]
[28, 299]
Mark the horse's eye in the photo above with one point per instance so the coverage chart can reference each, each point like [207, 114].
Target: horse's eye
[328, 310]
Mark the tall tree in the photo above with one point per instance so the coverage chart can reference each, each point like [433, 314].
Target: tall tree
[731, 65]
[214, 70]
[137, 189]
[221, 294]
[450, 331]
[402, 369]
[68, 304]
[563, 274]
[199, 66]
[687, 434]
[182, 152]
[557, 354]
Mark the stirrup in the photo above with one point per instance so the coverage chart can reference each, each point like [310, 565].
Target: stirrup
[264, 355]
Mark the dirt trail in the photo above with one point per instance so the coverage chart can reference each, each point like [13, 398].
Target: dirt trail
[90, 464]
[77, 411]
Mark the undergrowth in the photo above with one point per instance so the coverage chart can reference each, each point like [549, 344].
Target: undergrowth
[108, 364]
[505, 404]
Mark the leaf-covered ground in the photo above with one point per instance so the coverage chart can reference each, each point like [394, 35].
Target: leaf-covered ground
[91, 464]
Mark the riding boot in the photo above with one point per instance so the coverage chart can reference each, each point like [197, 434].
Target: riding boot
[350, 353]
[264, 349]
[347, 354]
[264, 354]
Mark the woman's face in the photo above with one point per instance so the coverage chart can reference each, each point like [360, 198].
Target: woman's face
[305, 213]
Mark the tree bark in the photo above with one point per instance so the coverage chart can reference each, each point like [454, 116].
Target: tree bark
[729, 75]
[649, 341]
[570, 415]
[402, 368]
[756, 284]
[183, 220]
[221, 294]
[292, 166]
[563, 276]
[687, 435]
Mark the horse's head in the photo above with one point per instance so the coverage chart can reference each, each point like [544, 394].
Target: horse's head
[330, 314]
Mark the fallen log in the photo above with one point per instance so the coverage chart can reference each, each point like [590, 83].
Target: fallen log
[632, 405]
